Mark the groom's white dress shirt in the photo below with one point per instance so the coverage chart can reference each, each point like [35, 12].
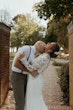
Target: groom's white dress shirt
[26, 51]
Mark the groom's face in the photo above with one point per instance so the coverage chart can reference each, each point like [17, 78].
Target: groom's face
[42, 47]
[48, 48]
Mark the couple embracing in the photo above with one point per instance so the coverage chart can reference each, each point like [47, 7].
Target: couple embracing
[28, 73]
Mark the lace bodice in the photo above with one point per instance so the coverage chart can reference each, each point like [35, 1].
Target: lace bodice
[40, 63]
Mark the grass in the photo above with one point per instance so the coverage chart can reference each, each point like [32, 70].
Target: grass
[12, 55]
[10, 65]
[11, 59]
[58, 69]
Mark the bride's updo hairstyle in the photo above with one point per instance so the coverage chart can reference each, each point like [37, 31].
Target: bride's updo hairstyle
[55, 47]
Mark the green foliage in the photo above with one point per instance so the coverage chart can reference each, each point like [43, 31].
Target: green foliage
[25, 31]
[12, 55]
[11, 60]
[59, 8]
[31, 39]
[63, 74]
[60, 62]
[50, 38]
[58, 13]
[57, 31]
[55, 63]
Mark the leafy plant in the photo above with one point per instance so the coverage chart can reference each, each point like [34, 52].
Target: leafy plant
[63, 74]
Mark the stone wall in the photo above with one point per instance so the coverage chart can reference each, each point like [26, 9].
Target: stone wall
[4, 61]
[70, 34]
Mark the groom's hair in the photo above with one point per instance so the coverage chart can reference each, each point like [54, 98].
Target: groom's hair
[38, 42]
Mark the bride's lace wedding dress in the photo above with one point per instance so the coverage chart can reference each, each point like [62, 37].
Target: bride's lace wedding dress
[34, 98]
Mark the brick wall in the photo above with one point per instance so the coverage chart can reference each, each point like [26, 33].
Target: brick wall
[70, 34]
[4, 61]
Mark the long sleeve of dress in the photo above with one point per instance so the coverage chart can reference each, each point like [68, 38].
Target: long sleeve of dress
[27, 65]
[40, 63]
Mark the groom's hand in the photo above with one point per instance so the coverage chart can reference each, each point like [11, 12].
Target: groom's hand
[34, 73]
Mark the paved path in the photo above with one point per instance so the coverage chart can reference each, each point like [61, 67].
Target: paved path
[51, 92]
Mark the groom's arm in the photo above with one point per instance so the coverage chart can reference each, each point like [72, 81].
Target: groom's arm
[19, 65]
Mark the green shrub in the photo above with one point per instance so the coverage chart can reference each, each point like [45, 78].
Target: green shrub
[59, 62]
[64, 82]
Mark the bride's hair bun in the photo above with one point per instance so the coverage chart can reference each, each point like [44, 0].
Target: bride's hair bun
[52, 55]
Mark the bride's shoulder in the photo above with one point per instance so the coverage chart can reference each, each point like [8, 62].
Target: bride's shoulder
[45, 55]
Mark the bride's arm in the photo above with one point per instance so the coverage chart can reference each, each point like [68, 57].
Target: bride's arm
[39, 63]
[24, 61]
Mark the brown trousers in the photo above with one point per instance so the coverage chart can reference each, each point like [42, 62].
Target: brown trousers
[19, 82]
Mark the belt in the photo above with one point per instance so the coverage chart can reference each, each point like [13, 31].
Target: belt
[19, 72]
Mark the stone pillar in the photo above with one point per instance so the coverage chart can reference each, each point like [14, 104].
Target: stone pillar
[4, 61]
[70, 34]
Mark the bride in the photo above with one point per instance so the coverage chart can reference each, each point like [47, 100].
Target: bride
[34, 98]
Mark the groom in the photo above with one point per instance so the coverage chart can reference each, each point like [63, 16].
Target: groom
[19, 72]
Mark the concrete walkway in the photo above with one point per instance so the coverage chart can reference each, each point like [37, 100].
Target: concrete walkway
[51, 92]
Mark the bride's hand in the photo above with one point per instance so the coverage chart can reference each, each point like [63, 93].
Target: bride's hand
[34, 73]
